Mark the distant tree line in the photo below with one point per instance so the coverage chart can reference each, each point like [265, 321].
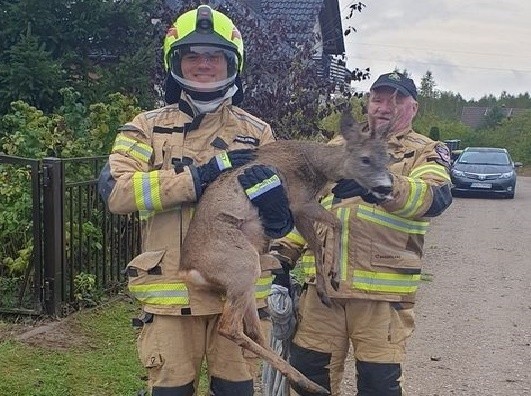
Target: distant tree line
[89, 49]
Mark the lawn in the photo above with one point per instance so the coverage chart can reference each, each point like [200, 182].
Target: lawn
[90, 353]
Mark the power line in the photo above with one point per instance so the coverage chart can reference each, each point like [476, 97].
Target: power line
[454, 65]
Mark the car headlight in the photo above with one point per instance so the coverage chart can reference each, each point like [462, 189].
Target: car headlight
[458, 173]
[507, 175]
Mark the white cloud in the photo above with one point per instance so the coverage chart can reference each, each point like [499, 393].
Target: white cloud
[474, 48]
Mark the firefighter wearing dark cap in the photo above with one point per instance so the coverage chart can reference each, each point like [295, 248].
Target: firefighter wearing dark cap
[160, 164]
[379, 258]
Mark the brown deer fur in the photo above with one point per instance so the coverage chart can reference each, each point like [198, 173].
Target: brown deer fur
[226, 242]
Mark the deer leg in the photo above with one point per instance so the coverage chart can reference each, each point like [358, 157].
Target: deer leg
[305, 216]
[242, 307]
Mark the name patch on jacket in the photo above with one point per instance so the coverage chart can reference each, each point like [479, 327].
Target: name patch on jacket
[247, 140]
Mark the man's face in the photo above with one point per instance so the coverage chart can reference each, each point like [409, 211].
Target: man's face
[383, 102]
[207, 66]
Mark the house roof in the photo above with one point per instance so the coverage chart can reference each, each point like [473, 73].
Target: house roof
[473, 116]
[302, 15]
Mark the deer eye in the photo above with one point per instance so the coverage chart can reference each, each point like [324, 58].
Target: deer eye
[365, 160]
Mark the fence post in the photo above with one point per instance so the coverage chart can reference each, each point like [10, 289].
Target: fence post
[54, 238]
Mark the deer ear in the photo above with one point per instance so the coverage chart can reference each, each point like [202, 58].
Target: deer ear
[349, 128]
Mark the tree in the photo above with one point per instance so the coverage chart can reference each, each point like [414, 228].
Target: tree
[280, 77]
[30, 74]
[98, 47]
[427, 86]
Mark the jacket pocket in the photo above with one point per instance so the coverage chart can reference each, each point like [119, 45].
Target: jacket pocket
[144, 263]
[153, 279]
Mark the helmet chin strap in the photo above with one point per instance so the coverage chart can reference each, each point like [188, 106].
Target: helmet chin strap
[203, 102]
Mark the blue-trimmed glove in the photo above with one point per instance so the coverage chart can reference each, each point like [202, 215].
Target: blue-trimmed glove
[264, 189]
[349, 188]
[223, 161]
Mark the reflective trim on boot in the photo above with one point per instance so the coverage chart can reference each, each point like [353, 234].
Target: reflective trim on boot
[221, 387]
[184, 390]
[379, 379]
[312, 364]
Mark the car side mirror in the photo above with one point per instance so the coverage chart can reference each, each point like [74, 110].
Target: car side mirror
[517, 164]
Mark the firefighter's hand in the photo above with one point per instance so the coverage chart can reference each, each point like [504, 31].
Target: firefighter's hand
[264, 189]
[223, 161]
[349, 188]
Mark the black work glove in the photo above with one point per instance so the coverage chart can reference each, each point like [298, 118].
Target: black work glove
[223, 161]
[264, 189]
[349, 188]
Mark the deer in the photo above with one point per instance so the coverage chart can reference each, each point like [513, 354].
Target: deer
[226, 244]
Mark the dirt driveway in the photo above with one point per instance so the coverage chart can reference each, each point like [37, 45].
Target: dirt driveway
[473, 334]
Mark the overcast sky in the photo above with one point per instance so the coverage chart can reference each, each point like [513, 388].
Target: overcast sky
[473, 47]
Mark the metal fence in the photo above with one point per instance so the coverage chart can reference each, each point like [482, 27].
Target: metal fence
[73, 234]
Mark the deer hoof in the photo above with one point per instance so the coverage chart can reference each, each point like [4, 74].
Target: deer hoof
[335, 284]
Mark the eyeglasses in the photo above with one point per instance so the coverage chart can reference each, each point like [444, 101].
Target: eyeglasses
[209, 57]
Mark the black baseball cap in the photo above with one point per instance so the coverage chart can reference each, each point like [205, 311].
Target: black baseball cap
[398, 81]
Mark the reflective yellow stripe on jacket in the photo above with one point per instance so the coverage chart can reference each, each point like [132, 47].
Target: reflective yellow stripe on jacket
[132, 147]
[385, 282]
[177, 293]
[146, 187]
[307, 262]
[419, 187]
[161, 293]
[383, 218]
[262, 287]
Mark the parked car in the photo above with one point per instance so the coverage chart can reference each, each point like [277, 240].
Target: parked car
[485, 170]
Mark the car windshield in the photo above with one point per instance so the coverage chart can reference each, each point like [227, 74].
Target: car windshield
[484, 157]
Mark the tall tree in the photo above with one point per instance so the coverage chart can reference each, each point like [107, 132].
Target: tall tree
[427, 86]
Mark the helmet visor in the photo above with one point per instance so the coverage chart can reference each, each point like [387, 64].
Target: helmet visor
[203, 68]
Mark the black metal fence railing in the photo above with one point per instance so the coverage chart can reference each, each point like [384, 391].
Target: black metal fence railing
[79, 236]
[19, 231]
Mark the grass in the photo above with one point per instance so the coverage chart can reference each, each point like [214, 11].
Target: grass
[93, 352]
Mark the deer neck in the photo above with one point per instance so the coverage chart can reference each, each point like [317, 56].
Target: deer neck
[325, 161]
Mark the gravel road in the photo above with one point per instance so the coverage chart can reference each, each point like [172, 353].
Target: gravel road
[473, 334]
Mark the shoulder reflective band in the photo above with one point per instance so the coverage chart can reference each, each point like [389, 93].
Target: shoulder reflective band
[389, 220]
[161, 293]
[262, 287]
[146, 188]
[432, 168]
[385, 282]
[132, 147]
